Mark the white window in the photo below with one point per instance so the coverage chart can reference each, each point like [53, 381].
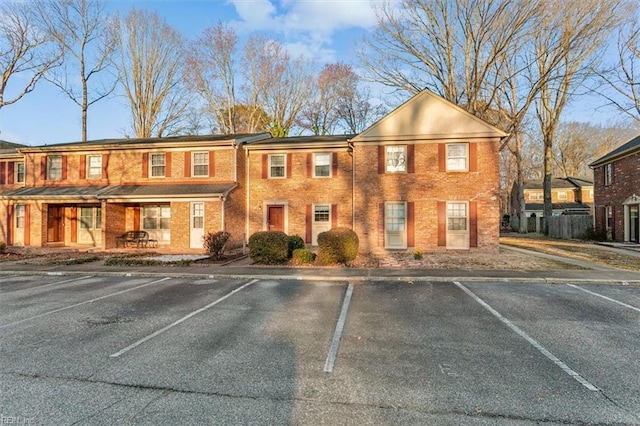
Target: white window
[562, 195]
[321, 213]
[396, 159]
[198, 215]
[94, 167]
[157, 165]
[457, 216]
[535, 195]
[20, 214]
[90, 218]
[20, 172]
[322, 165]
[200, 164]
[395, 223]
[156, 220]
[277, 165]
[54, 167]
[457, 154]
[608, 174]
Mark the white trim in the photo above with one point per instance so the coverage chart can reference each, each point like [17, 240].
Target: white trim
[466, 157]
[457, 235]
[313, 165]
[284, 174]
[403, 234]
[193, 164]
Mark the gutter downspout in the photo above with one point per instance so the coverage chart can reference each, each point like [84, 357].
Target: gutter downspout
[353, 184]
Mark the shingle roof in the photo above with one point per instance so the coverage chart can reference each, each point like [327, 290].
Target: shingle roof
[122, 191]
[557, 206]
[300, 140]
[632, 145]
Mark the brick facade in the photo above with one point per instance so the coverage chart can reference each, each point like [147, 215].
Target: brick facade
[424, 177]
[617, 196]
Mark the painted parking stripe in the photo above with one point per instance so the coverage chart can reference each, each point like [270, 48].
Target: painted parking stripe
[564, 367]
[186, 317]
[53, 284]
[605, 297]
[337, 335]
[75, 305]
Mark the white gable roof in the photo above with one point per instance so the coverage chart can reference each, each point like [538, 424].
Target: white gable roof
[428, 116]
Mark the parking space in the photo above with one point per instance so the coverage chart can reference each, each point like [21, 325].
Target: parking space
[205, 350]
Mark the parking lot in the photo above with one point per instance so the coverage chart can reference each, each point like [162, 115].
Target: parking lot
[165, 350]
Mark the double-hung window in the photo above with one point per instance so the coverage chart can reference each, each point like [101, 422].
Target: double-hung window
[457, 157]
[396, 159]
[200, 164]
[20, 172]
[608, 174]
[54, 167]
[157, 165]
[277, 165]
[322, 165]
[94, 166]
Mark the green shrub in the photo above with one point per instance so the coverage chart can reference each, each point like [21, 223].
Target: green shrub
[417, 255]
[302, 256]
[338, 245]
[295, 242]
[215, 243]
[269, 247]
[3, 247]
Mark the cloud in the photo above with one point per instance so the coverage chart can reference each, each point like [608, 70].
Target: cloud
[310, 23]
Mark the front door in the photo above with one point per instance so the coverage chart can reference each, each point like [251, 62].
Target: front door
[197, 226]
[55, 224]
[275, 218]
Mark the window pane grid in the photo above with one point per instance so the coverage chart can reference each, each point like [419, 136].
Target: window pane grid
[395, 217]
[95, 166]
[200, 164]
[157, 165]
[456, 157]
[322, 165]
[54, 167]
[20, 214]
[321, 214]
[396, 159]
[457, 216]
[20, 172]
[277, 165]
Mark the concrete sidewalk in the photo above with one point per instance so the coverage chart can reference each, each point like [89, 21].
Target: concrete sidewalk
[591, 274]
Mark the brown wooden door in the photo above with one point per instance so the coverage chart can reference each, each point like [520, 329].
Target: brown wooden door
[55, 223]
[275, 218]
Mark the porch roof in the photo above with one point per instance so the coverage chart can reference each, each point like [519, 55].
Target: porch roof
[121, 191]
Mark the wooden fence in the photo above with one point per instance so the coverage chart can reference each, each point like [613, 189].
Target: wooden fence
[570, 227]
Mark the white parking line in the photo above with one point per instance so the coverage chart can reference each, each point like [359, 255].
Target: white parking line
[605, 297]
[52, 284]
[186, 317]
[337, 335]
[532, 341]
[75, 305]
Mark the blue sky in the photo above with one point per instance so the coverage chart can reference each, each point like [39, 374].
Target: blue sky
[325, 30]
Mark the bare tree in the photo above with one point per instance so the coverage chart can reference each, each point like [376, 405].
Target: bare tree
[150, 56]
[276, 81]
[571, 34]
[335, 83]
[355, 110]
[624, 76]
[450, 47]
[24, 51]
[211, 73]
[84, 32]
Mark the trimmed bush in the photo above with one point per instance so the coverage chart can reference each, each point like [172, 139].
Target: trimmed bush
[338, 245]
[215, 243]
[302, 256]
[269, 247]
[295, 242]
[3, 247]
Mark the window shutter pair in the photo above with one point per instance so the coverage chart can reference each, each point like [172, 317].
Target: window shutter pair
[473, 157]
[473, 224]
[334, 165]
[145, 164]
[265, 166]
[43, 167]
[2, 172]
[382, 165]
[212, 164]
[105, 166]
[411, 224]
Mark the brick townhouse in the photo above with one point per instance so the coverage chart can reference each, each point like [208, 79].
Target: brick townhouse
[617, 192]
[569, 195]
[423, 177]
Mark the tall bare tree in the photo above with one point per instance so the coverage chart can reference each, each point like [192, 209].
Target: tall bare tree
[84, 32]
[450, 47]
[277, 82]
[355, 110]
[25, 51]
[211, 72]
[622, 79]
[570, 37]
[321, 114]
[150, 56]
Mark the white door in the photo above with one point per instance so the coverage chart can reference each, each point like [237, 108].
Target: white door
[90, 229]
[457, 225]
[18, 232]
[321, 221]
[197, 225]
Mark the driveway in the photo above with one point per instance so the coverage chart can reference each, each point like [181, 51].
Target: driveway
[169, 350]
